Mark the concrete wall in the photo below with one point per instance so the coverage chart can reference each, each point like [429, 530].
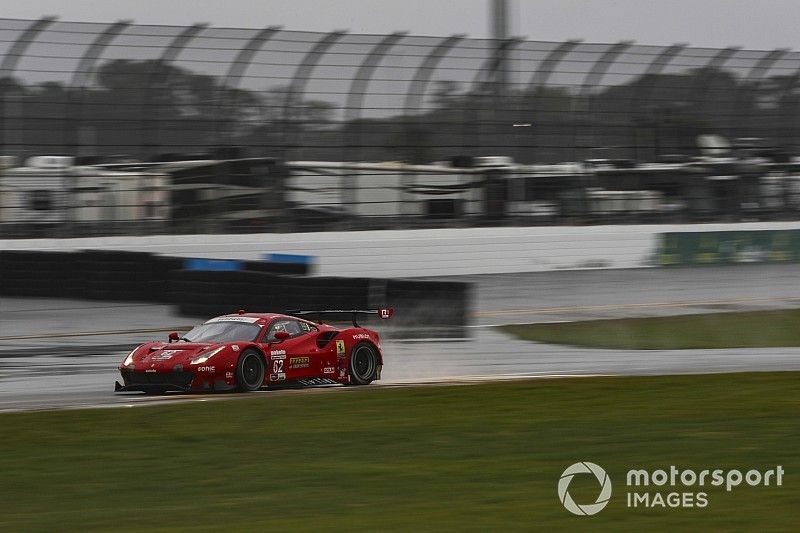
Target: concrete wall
[430, 252]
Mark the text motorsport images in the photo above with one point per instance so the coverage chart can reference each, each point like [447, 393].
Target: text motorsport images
[643, 486]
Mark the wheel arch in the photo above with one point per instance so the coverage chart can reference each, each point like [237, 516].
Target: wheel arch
[243, 349]
[372, 345]
[252, 346]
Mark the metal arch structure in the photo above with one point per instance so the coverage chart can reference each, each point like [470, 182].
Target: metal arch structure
[363, 76]
[297, 87]
[592, 79]
[600, 66]
[548, 66]
[10, 62]
[487, 73]
[416, 89]
[358, 86]
[246, 54]
[542, 75]
[237, 69]
[419, 82]
[25, 39]
[416, 92]
[80, 79]
[717, 61]
[175, 47]
[489, 81]
[644, 103]
[95, 50]
[751, 85]
[786, 95]
[643, 92]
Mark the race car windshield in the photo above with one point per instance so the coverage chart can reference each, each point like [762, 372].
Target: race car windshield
[223, 332]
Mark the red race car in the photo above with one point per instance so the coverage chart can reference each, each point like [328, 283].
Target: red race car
[247, 351]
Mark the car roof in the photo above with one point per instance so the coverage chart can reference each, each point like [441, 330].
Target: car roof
[253, 318]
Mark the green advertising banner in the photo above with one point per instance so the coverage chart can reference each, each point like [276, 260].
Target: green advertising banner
[729, 247]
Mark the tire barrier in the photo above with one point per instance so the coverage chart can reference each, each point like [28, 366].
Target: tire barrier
[121, 276]
[422, 308]
[204, 294]
[40, 274]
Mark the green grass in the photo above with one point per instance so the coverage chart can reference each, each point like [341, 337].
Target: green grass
[470, 458]
[761, 329]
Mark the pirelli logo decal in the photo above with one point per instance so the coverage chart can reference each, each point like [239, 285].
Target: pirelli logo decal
[340, 348]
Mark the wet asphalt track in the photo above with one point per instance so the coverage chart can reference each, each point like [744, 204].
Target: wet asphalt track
[64, 353]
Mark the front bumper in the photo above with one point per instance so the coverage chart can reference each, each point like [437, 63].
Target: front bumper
[149, 388]
[170, 381]
[154, 382]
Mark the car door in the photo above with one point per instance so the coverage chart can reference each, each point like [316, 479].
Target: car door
[295, 357]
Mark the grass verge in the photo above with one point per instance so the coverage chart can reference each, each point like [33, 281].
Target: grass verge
[467, 458]
[761, 329]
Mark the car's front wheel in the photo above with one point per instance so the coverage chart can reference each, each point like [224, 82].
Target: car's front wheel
[250, 371]
[363, 364]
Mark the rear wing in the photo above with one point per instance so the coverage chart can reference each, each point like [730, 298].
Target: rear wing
[383, 314]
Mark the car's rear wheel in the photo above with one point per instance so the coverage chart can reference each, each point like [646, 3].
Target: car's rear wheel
[250, 371]
[363, 364]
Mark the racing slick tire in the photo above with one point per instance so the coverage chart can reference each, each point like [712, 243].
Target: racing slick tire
[363, 364]
[250, 371]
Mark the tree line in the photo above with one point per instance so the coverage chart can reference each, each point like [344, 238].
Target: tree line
[145, 109]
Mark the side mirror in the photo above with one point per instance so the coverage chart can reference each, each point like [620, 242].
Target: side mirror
[281, 335]
[173, 336]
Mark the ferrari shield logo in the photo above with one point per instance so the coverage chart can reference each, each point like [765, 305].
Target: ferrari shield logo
[340, 348]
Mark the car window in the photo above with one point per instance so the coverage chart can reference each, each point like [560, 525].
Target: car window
[223, 332]
[306, 327]
[292, 327]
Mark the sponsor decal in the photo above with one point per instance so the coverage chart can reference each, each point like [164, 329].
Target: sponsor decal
[206, 369]
[235, 347]
[277, 354]
[328, 370]
[277, 377]
[150, 370]
[360, 336]
[249, 319]
[228, 375]
[340, 348]
[299, 362]
[165, 355]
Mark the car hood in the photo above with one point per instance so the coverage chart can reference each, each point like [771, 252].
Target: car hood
[173, 354]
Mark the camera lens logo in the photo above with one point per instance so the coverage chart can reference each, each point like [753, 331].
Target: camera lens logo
[584, 468]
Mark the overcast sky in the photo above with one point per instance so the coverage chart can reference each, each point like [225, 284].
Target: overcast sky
[755, 24]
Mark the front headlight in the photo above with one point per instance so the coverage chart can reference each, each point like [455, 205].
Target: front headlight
[203, 357]
[129, 360]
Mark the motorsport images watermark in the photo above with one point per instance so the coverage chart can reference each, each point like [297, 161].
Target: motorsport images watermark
[644, 487]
